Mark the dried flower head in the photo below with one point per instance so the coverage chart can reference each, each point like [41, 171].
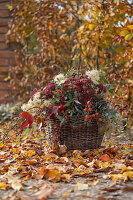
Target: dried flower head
[93, 75]
[59, 79]
[49, 102]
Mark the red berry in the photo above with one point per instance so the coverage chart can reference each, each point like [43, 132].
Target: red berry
[58, 91]
[90, 109]
[87, 117]
[100, 119]
[93, 115]
[86, 109]
[66, 117]
[88, 102]
[96, 113]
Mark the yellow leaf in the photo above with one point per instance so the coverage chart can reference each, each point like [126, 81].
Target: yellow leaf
[95, 182]
[9, 7]
[82, 186]
[52, 174]
[2, 186]
[115, 177]
[123, 33]
[95, 152]
[91, 26]
[20, 14]
[66, 176]
[29, 153]
[128, 174]
[130, 27]
[129, 36]
[77, 169]
[65, 195]
[15, 156]
[123, 169]
[83, 47]
[85, 172]
[7, 78]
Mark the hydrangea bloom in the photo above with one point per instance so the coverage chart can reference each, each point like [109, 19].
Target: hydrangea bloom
[93, 75]
[59, 79]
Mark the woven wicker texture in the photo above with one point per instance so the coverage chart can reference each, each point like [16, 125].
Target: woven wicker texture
[75, 134]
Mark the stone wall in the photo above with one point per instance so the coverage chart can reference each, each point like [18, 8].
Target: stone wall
[7, 55]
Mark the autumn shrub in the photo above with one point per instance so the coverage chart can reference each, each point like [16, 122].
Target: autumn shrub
[56, 35]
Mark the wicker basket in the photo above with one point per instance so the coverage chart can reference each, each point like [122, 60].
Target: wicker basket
[75, 134]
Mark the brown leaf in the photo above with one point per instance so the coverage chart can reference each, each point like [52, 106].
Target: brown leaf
[110, 189]
[52, 174]
[45, 191]
[103, 169]
[101, 198]
[128, 189]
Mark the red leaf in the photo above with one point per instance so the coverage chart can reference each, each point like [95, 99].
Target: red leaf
[104, 158]
[28, 119]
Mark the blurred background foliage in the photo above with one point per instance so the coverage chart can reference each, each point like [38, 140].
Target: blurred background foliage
[54, 35]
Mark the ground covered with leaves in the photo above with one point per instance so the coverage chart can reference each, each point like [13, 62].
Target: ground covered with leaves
[29, 169]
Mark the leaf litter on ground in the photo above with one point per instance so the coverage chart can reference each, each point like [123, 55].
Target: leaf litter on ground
[29, 157]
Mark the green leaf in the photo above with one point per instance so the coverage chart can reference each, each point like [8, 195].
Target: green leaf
[103, 78]
[63, 121]
[68, 103]
[60, 117]
[77, 102]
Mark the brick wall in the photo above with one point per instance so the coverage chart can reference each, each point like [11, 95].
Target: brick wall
[7, 55]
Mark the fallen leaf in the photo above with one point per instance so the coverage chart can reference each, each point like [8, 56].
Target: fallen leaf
[65, 177]
[110, 189]
[85, 195]
[28, 119]
[104, 158]
[3, 186]
[45, 191]
[128, 189]
[52, 174]
[82, 186]
[103, 169]
[15, 182]
[41, 170]
[95, 182]
[101, 198]
[65, 195]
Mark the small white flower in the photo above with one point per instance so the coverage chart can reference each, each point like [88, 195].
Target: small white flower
[93, 75]
[59, 79]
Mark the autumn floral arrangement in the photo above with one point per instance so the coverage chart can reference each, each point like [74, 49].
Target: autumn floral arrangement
[71, 96]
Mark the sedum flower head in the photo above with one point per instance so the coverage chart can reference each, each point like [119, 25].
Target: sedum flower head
[59, 79]
[93, 75]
